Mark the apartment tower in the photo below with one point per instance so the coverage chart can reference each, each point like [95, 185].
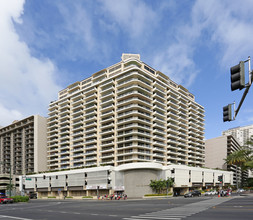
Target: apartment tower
[126, 113]
[242, 134]
[217, 149]
[23, 146]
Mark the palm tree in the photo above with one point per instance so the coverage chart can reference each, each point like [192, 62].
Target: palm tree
[241, 158]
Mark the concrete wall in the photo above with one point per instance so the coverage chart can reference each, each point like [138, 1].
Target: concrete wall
[216, 152]
[182, 177]
[58, 181]
[137, 181]
[40, 143]
[43, 183]
[208, 177]
[196, 176]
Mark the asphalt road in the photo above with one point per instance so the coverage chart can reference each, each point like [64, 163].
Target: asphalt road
[239, 207]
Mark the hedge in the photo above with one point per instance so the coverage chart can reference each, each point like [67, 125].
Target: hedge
[20, 198]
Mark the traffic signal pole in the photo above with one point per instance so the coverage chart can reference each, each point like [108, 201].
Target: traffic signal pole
[243, 97]
[246, 90]
[238, 82]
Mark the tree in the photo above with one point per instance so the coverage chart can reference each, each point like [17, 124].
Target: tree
[10, 187]
[160, 185]
[242, 159]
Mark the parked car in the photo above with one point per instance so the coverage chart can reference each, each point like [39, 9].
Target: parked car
[33, 196]
[193, 193]
[208, 193]
[211, 193]
[4, 200]
[240, 190]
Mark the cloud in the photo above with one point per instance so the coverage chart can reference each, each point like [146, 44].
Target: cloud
[27, 83]
[176, 62]
[132, 17]
[229, 24]
[223, 26]
[77, 21]
[9, 115]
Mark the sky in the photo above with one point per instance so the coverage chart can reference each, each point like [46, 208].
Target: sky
[47, 45]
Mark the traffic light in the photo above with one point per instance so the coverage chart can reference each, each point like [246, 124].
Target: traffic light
[237, 76]
[220, 179]
[227, 113]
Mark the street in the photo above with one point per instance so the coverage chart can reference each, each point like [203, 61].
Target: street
[237, 207]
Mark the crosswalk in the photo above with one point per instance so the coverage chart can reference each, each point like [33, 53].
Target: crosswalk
[181, 212]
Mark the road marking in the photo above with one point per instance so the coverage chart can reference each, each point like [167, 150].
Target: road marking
[180, 212]
[154, 217]
[13, 217]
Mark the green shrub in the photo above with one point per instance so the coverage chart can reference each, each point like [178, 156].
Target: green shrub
[69, 197]
[51, 197]
[20, 198]
[169, 194]
[87, 197]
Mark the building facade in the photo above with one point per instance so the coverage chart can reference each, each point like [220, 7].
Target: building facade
[132, 179]
[217, 150]
[23, 146]
[242, 134]
[126, 113]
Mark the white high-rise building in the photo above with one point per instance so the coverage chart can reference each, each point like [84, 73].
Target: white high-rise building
[126, 113]
[242, 134]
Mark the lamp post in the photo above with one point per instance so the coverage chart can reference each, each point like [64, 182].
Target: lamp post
[10, 183]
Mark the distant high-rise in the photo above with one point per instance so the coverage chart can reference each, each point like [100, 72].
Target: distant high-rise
[23, 146]
[242, 134]
[128, 112]
[217, 149]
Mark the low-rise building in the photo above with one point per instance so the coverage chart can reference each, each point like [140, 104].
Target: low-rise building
[132, 179]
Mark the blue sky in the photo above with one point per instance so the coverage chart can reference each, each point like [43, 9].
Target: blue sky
[47, 45]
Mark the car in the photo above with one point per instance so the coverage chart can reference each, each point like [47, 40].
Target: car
[4, 200]
[192, 194]
[240, 190]
[210, 193]
[33, 196]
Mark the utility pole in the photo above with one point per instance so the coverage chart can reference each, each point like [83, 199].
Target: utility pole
[10, 187]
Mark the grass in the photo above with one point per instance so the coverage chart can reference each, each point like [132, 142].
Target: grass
[87, 197]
